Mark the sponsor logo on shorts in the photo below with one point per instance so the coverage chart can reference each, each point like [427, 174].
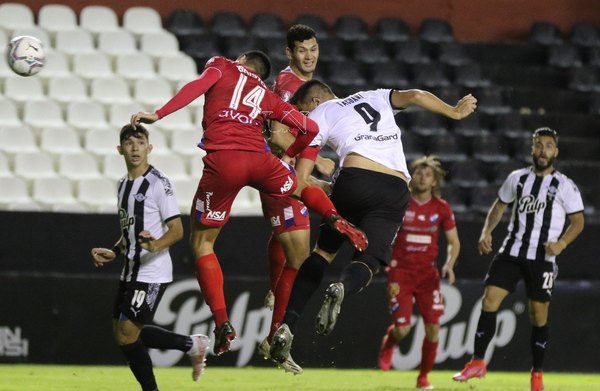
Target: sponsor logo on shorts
[216, 215]
[275, 221]
[287, 185]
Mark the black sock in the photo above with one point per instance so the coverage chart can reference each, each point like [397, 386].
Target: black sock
[539, 343]
[307, 281]
[159, 338]
[355, 277]
[486, 328]
[140, 364]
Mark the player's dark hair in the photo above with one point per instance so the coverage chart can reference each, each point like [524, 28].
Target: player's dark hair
[546, 131]
[311, 87]
[260, 62]
[129, 131]
[299, 32]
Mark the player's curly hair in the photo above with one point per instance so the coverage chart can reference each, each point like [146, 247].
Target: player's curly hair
[434, 163]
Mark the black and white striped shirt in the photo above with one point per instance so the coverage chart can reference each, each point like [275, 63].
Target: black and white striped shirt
[146, 203]
[541, 204]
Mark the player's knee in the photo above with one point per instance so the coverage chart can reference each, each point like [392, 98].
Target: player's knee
[432, 331]
[125, 336]
[400, 332]
[372, 263]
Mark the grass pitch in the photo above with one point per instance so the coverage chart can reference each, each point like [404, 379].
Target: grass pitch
[21, 377]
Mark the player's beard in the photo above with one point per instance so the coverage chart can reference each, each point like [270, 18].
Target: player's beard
[541, 167]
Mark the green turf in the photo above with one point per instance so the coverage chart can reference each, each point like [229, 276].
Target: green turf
[19, 377]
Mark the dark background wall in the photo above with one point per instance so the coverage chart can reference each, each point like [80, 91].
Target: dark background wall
[489, 20]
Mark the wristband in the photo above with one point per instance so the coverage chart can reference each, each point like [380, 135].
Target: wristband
[117, 251]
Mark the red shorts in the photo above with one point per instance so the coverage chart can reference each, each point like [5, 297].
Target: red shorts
[227, 171]
[424, 286]
[285, 213]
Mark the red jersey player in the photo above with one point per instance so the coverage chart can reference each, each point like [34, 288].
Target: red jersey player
[413, 269]
[237, 103]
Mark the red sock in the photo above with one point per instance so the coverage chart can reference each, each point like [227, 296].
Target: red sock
[391, 340]
[428, 353]
[315, 199]
[210, 279]
[276, 260]
[282, 296]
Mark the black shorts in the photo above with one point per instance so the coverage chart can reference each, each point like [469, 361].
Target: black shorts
[372, 201]
[137, 301]
[505, 272]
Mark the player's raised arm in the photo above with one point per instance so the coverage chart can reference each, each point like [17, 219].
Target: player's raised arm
[405, 98]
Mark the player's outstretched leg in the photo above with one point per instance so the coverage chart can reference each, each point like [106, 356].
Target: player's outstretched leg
[355, 235]
[289, 365]
[327, 316]
[474, 368]
[281, 344]
[386, 351]
[198, 354]
[223, 337]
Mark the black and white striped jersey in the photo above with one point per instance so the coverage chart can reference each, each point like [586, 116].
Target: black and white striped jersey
[540, 207]
[146, 203]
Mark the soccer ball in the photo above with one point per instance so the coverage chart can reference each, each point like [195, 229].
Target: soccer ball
[26, 55]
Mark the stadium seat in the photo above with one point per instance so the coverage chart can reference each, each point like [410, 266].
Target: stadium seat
[185, 142]
[275, 49]
[77, 166]
[456, 196]
[199, 113]
[119, 114]
[392, 30]
[177, 68]
[43, 114]
[53, 191]
[233, 46]
[23, 89]
[579, 148]
[158, 140]
[351, 28]
[389, 74]
[482, 198]
[185, 190]
[346, 74]
[113, 166]
[57, 17]
[425, 123]
[72, 208]
[228, 24]
[412, 144]
[31, 165]
[470, 76]
[473, 125]
[201, 47]
[565, 56]
[110, 90]
[86, 115]
[9, 113]
[101, 141]
[14, 190]
[595, 104]
[57, 65]
[453, 53]
[331, 49]
[584, 79]
[501, 170]
[135, 66]
[247, 203]
[37, 32]
[92, 65]
[67, 89]
[431, 75]
[265, 25]
[411, 52]
[489, 148]
[183, 22]
[468, 173]
[176, 121]
[97, 193]
[510, 125]
[74, 42]
[142, 20]
[593, 57]
[520, 148]
[159, 44]
[545, 33]
[173, 166]
[98, 19]
[197, 165]
[63, 140]
[152, 93]
[15, 139]
[5, 170]
[448, 148]
[490, 100]
[117, 42]
[15, 16]
[370, 51]
[316, 22]
[585, 34]
[436, 31]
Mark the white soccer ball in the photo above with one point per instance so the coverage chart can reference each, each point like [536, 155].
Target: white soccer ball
[26, 55]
